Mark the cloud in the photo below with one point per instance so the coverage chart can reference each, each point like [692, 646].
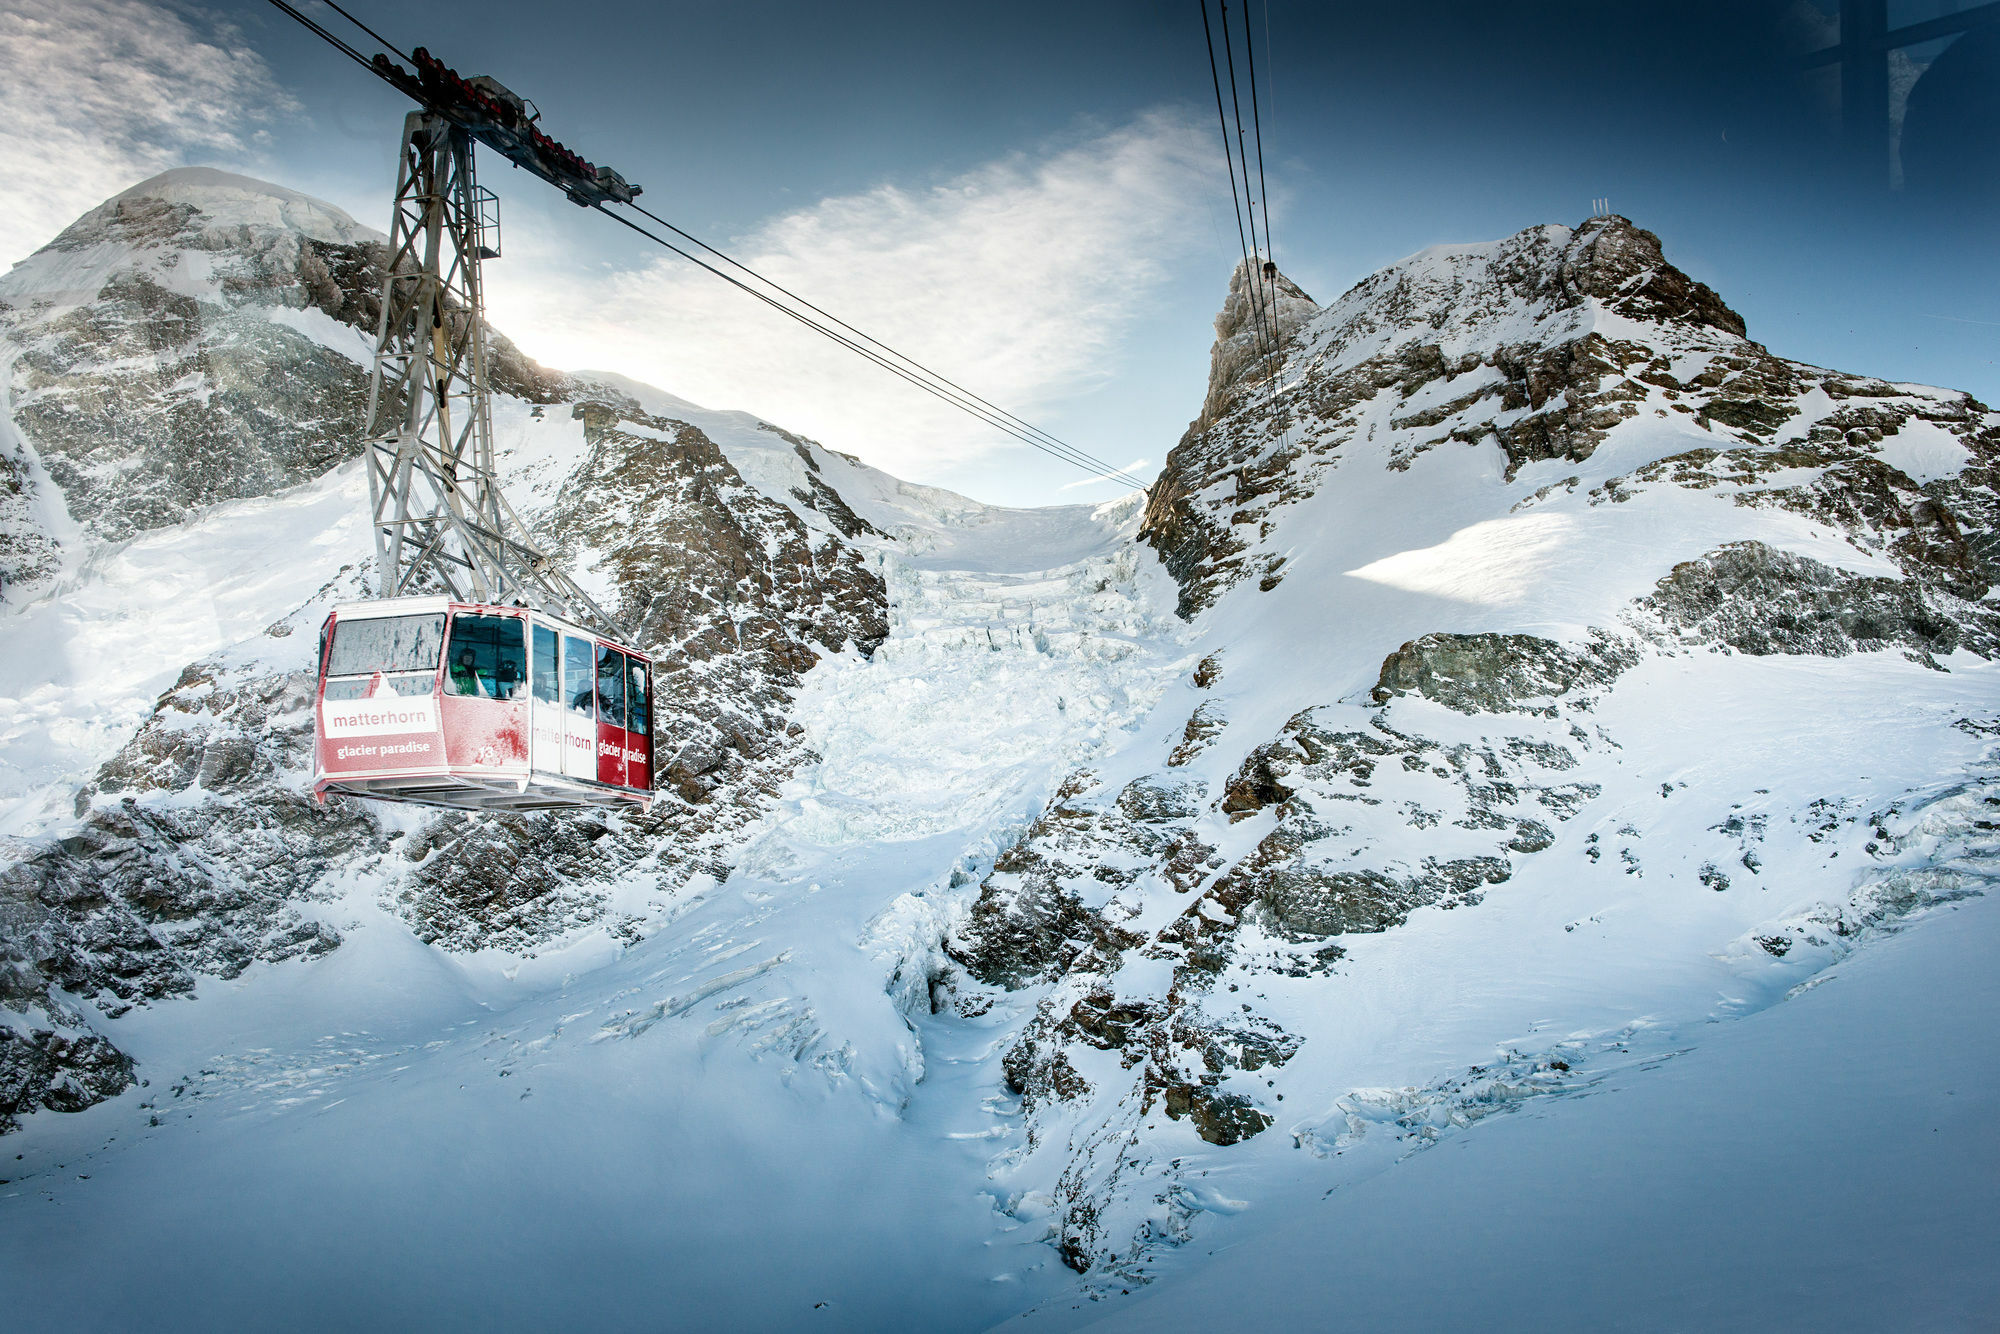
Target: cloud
[96, 95]
[1129, 470]
[1018, 280]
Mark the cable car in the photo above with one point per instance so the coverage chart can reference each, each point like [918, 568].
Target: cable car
[479, 707]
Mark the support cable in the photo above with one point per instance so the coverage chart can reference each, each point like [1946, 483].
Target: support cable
[1257, 122]
[1228, 155]
[907, 360]
[1067, 453]
[888, 358]
[393, 49]
[1249, 202]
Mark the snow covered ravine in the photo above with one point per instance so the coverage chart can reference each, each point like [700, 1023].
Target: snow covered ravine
[750, 1114]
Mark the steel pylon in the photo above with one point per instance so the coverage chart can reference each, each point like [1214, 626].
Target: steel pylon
[441, 520]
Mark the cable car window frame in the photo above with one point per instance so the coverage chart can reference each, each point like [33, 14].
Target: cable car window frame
[487, 637]
[638, 696]
[403, 656]
[610, 705]
[545, 678]
[579, 695]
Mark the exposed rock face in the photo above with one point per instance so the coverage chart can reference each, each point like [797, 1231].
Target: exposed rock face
[727, 584]
[1259, 319]
[1541, 343]
[1496, 673]
[1759, 600]
[735, 598]
[147, 894]
[201, 337]
[1143, 914]
[1060, 911]
[29, 553]
[165, 383]
[210, 342]
[60, 1072]
[1302, 874]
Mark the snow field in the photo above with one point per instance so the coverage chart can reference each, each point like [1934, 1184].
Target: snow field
[84, 662]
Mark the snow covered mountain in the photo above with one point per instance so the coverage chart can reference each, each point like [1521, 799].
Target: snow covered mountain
[1568, 662]
[1510, 678]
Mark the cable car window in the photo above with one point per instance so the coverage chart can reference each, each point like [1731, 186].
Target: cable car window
[370, 644]
[610, 686]
[361, 687]
[325, 637]
[547, 682]
[488, 657]
[638, 699]
[577, 672]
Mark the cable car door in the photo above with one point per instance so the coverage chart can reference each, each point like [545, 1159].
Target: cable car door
[579, 708]
[638, 725]
[545, 677]
[611, 744]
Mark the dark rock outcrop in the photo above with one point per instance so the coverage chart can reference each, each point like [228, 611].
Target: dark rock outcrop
[1489, 673]
[41, 1068]
[195, 373]
[1758, 600]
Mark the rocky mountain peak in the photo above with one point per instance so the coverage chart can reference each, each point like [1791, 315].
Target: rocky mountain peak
[1542, 285]
[1542, 342]
[192, 201]
[1613, 260]
[1259, 316]
[200, 337]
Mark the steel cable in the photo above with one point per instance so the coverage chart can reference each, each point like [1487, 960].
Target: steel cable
[1073, 456]
[897, 363]
[1228, 154]
[914, 364]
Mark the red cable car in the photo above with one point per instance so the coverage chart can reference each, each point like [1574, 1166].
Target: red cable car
[480, 707]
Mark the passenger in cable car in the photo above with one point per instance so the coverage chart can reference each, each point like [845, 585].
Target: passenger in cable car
[465, 674]
[611, 686]
[489, 656]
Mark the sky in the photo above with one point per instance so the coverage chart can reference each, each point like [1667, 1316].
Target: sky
[1031, 199]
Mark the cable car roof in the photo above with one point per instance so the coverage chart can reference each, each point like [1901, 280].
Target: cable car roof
[441, 605]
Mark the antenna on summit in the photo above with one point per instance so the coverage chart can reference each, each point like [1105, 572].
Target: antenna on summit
[1600, 208]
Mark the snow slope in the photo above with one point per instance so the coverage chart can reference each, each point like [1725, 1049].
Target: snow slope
[748, 1113]
[84, 662]
[1819, 1165]
[1491, 763]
